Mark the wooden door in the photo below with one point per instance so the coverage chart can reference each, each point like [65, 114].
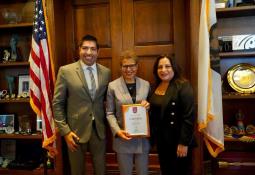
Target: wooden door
[150, 27]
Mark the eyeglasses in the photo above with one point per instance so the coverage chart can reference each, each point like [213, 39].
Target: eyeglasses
[131, 66]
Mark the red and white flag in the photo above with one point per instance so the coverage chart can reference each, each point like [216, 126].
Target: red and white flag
[42, 77]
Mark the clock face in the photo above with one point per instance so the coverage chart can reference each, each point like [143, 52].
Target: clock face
[9, 130]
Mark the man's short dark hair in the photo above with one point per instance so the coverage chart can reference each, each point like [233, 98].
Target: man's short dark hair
[89, 38]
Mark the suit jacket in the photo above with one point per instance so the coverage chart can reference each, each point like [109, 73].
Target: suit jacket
[72, 105]
[117, 95]
[172, 121]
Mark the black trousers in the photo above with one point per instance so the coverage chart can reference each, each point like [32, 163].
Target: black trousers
[170, 164]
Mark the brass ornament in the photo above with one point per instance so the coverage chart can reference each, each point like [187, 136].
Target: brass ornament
[241, 78]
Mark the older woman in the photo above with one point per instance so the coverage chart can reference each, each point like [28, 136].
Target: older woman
[128, 89]
[172, 117]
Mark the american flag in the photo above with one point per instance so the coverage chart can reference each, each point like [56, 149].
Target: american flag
[42, 77]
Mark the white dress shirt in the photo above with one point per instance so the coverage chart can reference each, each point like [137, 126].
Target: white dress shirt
[86, 73]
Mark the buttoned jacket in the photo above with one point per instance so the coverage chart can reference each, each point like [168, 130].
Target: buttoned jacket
[117, 95]
[73, 106]
[174, 121]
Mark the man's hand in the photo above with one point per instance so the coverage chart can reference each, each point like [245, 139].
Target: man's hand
[71, 140]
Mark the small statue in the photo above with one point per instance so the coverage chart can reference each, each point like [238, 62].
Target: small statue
[250, 129]
[10, 82]
[239, 118]
[227, 131]
[6, 55]
[235, 131]
[3, 93]
[14, 51]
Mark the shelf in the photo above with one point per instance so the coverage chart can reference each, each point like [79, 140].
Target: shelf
[236, 12]
[38, 171]
[16, 100]
[14, 64]
[238, 96]
[7, 26]
[228, 139]
[236, 155]
[21, 136]
[237, 54]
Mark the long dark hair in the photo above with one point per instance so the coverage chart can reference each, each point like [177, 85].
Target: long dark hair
[176, 68]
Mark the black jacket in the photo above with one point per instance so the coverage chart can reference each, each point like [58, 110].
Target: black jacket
[172, 122]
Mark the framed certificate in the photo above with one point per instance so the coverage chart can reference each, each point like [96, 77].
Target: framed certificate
[136, 120]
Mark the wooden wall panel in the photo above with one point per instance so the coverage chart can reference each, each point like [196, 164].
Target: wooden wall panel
[116, 35]
[148, 30]
[181, 34]
[89, 19]
[106, 62]
[193, 27]
[153, 25]
[146, 67]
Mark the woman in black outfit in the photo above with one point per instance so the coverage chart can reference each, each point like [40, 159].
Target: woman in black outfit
[172, 118]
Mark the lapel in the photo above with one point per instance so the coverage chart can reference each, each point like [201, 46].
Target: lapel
[138, 93]
[81, 75]
[124, 91]
[100, 79]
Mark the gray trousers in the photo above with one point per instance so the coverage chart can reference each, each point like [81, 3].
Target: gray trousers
[125, 161]
[96, 147]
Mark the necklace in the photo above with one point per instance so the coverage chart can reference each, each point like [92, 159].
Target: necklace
[130, 86]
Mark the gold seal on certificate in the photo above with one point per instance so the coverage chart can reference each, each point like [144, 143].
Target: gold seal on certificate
[136, 121]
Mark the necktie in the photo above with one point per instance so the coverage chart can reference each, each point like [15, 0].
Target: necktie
[93, 83]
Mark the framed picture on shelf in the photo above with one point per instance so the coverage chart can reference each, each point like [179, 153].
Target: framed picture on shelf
[7, 123]
[5, 54]
[23, 85]
[25, 124]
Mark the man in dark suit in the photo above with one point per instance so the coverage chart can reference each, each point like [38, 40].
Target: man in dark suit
[78, 107]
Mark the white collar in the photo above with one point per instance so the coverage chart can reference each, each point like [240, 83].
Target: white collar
[85, 66]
